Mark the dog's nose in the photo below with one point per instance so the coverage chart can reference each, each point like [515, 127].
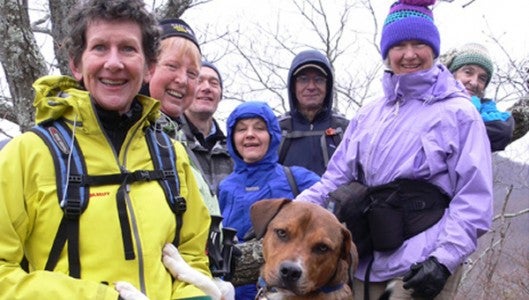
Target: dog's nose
[290, 272]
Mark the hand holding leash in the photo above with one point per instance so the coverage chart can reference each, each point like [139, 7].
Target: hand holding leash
[427, 278]
[177, 266]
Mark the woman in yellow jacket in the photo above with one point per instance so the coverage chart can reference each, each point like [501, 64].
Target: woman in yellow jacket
[112, 45]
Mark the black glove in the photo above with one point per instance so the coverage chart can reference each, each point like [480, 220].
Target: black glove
[427, 278]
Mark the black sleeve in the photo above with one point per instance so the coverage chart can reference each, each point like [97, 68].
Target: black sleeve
[500, 133]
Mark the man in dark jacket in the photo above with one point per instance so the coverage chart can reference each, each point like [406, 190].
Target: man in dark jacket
[311, 131]
[203, 134]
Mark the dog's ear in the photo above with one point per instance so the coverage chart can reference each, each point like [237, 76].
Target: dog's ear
[349, 252]
[263, 211]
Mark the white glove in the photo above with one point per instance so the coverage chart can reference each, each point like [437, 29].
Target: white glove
[226, 289]
[128, 292]
[180, 270]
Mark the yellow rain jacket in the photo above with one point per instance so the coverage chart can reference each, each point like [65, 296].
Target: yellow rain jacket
[30, 212]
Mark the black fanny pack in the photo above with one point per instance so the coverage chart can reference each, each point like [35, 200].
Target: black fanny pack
[382, 217]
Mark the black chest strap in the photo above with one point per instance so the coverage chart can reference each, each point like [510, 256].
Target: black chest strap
[73, 185]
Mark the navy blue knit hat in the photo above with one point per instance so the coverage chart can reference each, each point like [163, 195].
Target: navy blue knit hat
[177, 27]
[212, 66]
[410, 20]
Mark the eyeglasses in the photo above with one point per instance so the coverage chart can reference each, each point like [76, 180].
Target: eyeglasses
[304, 80]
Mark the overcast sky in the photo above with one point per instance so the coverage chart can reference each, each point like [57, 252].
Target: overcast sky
[480, 21]
[506, 19]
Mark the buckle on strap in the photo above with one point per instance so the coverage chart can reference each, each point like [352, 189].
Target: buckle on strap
[76, 178]
[169, 173]
[72, 208]
[141, 175]
[179, 204]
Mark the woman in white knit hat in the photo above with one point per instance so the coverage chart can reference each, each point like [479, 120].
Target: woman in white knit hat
[471, 64]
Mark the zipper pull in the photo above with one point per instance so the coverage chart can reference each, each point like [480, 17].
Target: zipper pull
[397, 107]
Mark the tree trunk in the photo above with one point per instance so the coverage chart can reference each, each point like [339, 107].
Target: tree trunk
[59, 10]
[247, 266]
[21, 59]
[520, 114]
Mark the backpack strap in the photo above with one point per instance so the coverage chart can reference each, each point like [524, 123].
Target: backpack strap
[291, 181]
[285, 123]
[338, 125]
[164, 159]
[72, 194]
[73, 188]
[339, 122]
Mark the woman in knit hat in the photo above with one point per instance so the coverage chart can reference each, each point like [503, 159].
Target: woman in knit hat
[174, 82]
[471, 64]
[422, 152]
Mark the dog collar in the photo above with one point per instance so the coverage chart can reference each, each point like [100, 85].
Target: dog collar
[263, 288]
[331, 288]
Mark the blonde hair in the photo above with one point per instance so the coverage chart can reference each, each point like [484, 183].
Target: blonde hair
[186, 48]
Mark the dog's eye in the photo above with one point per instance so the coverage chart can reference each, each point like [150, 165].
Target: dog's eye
[282, 234]
[321, 248]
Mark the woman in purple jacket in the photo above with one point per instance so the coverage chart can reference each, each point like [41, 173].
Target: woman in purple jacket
[422, 152]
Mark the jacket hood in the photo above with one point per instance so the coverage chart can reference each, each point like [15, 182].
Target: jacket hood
[310, 57]
[254, 109]
[434, 84]
[58, 96]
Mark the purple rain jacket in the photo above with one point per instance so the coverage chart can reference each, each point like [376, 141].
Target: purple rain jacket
[424, 127]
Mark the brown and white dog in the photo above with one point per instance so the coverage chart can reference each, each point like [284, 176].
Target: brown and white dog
[308, 253]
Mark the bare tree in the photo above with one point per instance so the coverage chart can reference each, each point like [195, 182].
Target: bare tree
[21, 56]
[58, 14]
[21, 60]
[175, 8]
[260, 61]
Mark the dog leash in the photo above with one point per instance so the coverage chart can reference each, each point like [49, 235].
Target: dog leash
[263, 289]
[367, 279]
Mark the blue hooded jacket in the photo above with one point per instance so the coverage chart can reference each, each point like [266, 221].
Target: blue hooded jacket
[249, 183]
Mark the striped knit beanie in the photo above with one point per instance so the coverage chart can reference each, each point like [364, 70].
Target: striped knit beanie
[410, 20]
[472, 54]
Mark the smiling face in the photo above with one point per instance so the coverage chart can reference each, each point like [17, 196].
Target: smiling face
[175, 77]
[208, 93]
[410, 56]
[112, 66]
[474, 78]
[311, 88]
[251, 139]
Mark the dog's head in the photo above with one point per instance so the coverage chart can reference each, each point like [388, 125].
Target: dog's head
[305, 248]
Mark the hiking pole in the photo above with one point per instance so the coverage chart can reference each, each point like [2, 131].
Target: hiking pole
[228, 243]
[215, 247]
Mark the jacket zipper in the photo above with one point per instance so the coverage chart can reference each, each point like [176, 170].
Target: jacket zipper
[132, 215]
[376, 138]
